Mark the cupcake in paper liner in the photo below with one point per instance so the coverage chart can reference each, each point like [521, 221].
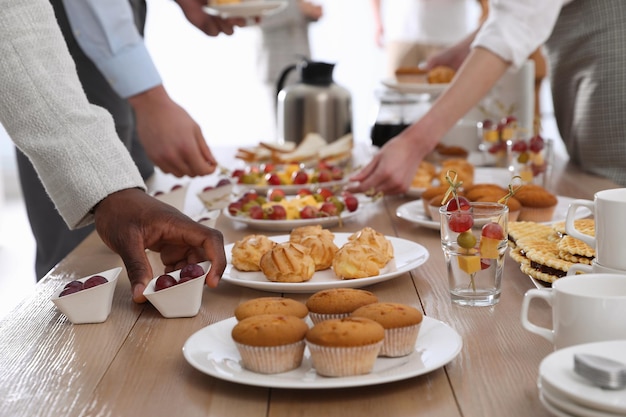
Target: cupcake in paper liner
[270, 343]
[401, 323]
[337, 303]
[345, 347]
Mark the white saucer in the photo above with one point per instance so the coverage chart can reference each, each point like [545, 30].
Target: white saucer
[556, 373]
[561, 403]
[251, 8]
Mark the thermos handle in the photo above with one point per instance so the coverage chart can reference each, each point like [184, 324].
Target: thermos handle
[283, 77]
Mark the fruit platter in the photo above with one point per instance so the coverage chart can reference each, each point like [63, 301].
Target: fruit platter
[291, 178]
[276, 211]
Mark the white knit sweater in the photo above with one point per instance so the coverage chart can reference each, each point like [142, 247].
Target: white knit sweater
[72, 144]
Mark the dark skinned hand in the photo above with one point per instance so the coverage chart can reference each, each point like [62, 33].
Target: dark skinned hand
[130, 221]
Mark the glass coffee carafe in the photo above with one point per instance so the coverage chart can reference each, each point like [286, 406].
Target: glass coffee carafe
[396, 111]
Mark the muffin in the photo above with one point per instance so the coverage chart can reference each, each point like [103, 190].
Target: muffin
[335, 303]
[515, 207]
[430, 193]
[345, 347]
[271, 305]
[287, 262]
[482, 190]
[247, 252]
[401, 323]
[270, 343]
[440, 74]
[538, 204]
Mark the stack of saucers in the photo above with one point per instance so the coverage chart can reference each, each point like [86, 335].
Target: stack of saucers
[566, 394]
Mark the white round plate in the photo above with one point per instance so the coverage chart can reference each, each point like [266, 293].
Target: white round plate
[212, 351]
[289, 225]
[408, 255]
[415, 88]
[557, 375]
[482, 175]
[246, 8]
[413, 211]
[293, 189]
[561, 403]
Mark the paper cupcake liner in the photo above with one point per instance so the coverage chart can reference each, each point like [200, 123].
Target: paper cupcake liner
[344, 361]
[400, 341]
[271, 359]
[318, 317]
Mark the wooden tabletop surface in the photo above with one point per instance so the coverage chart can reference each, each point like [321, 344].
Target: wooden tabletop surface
[133, 365]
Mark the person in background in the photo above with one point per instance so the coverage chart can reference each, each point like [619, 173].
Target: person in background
[410, 31]
[584, 45]
[80, 159]
[284, 41]
[117, 73]
[541, 68]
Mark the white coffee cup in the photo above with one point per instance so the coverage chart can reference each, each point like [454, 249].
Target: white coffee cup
[608, 208]
[594, 268]
[585, 308]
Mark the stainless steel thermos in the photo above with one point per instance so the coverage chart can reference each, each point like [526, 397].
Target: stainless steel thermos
[316, 104]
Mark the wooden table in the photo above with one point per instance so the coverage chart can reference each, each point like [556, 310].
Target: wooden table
[132, 365]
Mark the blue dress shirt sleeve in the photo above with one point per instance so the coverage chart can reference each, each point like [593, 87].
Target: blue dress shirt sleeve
[106, 32]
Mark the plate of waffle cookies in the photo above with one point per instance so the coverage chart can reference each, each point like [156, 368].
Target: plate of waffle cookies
[545, 252]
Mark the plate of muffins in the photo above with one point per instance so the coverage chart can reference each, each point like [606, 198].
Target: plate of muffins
[277, 342]
[312, 258]
[530, 203]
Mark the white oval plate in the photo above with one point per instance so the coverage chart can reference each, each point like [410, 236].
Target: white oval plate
[246, 8]
[289, 225]
[556, 373]
[413, 211]
[408, 255]
[415, 88]
[482, 175]
[212, 351]
[294, 188]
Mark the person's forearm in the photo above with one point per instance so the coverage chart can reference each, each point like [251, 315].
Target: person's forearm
[106, 32]
[72, 144]
[478, 74]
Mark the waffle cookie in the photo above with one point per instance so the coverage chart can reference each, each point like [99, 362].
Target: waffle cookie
[526, 229]
[585, 226]
[575, 250]
[543, 261]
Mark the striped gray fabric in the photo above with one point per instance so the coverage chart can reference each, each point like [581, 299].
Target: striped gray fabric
[587, 56]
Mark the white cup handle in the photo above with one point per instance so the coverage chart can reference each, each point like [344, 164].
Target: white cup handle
[570, 229]
[585, 269]
[546, 294]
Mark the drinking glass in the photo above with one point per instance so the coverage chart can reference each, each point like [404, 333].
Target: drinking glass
[474, 242]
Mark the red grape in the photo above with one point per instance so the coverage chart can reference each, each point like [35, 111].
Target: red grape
[222, 182]
[176, 187]
[75, 283]
[329, 208]
[69, 290]
[95, 281]
[536, 144]
[235, 208]
[308, 212]
[493, 231]
[303, 192]
[458, 202]
[300, 177]
[324, 176]
[352, 203]
[273, 179]
[191, 271]
[325, 193]
[487, 124]
[275, 194]
[519, 146]
[276, 212]
[460, 221]
[163, 282]
[485, 263]
[256, 212]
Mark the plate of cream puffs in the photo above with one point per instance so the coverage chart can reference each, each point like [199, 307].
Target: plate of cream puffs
[312, 258]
